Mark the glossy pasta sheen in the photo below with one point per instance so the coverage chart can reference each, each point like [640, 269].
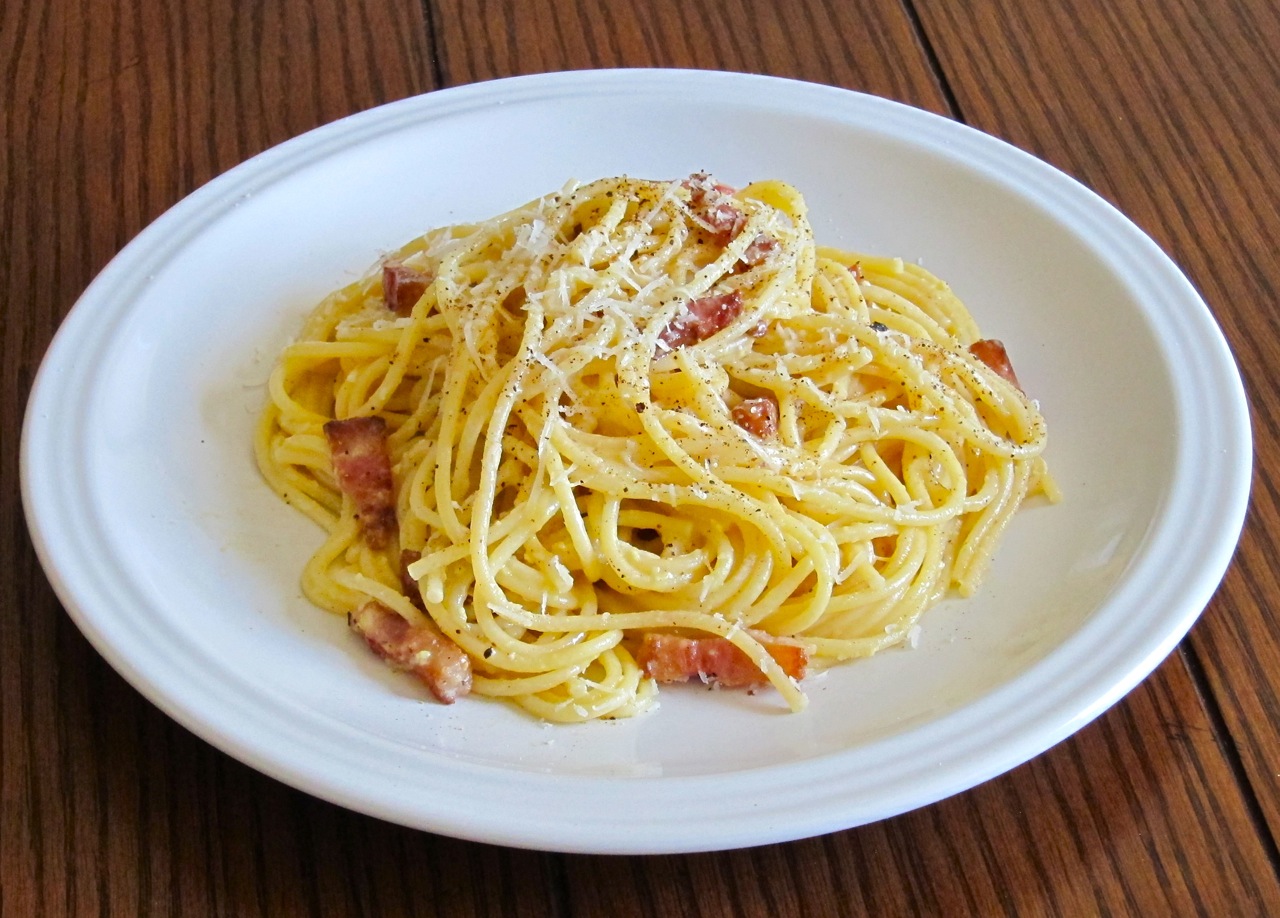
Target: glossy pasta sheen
[571, 470]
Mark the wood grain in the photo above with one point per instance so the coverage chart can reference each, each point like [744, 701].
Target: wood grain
[112, 111]
[866, 45]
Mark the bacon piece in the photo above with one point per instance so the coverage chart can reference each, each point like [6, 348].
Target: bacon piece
[701, 319]
[725, 221]
[671, 658]
[419, 649]
[402, 287]
[757, 416]
[362, 464]
[992, 353]
[856, 270]
[407, 584]
[760, 249]
[712, 204]
[701, 185]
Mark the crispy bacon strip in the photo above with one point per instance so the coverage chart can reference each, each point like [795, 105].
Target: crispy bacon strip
[992, 353]
[701, 319]
[702, 186]
[757, 416]
[362, 464]
[671, 658]
[402, 287]
[761, 248]
[419, 649]
[407, 584]
[713, 205]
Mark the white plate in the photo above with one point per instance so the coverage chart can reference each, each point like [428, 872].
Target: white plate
[182, 568]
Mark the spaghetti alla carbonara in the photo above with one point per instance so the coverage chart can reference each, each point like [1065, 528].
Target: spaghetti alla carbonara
[638, 432]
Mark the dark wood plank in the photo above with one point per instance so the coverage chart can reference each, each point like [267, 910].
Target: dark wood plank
[867, 45]
[1191, 160]
[111, 112]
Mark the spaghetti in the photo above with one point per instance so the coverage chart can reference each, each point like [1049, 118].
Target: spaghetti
[632, 418]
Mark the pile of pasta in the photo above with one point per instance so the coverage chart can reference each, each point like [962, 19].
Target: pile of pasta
[635, 415]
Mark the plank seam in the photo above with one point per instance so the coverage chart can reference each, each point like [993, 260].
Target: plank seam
[1231, 753]
[430, 22]
[559, 887]
[935, 63]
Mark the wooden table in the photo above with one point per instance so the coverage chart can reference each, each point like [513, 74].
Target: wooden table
[113, 111]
